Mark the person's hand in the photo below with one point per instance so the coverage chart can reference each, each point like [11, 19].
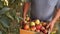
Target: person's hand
[24, 17]
[50, 26]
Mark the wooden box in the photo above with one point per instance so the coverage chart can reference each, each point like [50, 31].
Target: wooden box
[29, 32]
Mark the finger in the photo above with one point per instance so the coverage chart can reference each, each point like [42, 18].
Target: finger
[51, 27]
[48, 26]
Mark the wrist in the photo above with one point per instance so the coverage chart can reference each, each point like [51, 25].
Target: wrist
[53, 21]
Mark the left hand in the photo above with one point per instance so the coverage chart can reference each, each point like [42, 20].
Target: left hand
[50, 26]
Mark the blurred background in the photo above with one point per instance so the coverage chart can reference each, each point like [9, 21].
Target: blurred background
[10, 11]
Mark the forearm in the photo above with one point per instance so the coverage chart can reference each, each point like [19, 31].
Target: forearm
[25, 9]
[56, 16]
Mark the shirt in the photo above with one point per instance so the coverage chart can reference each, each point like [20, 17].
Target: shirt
[43, 9]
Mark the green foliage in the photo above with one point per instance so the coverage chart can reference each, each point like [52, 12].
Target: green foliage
[9, 20]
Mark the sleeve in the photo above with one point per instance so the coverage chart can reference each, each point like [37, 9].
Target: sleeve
[58, 4]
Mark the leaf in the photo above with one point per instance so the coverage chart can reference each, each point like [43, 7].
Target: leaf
[2, 0]
[5, 22]
[17, 18]
[1, 5]
[4, 10]
[0, 32]
[9, 15]
[2, 28]
[12, 1]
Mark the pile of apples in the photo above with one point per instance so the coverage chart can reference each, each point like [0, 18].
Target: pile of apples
[35, 25]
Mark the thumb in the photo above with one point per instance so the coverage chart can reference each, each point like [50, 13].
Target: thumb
[51, 27]
[24, 17]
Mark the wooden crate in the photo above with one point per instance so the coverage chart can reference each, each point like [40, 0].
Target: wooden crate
[29, 32]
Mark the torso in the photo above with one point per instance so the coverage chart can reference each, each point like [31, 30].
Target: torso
[42, 9]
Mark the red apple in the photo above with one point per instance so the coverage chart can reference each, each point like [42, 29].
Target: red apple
[45, 31]
[33, 28]
[42, 28]
[38, 27]
[26, 26]
[37, 30]
[32, 24]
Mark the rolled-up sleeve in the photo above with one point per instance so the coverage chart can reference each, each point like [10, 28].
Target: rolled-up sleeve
[58, 4]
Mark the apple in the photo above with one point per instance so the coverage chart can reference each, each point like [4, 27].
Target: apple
[40, 24]
[38, 27]
[28, 22]
[42, 28]
[53, 32]
[45, 31]
[26, 27]
[33, 28]
[37, 21]
[25, 21]
[32, 24]
[44, 24]
[28, 18]
[37, 30]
